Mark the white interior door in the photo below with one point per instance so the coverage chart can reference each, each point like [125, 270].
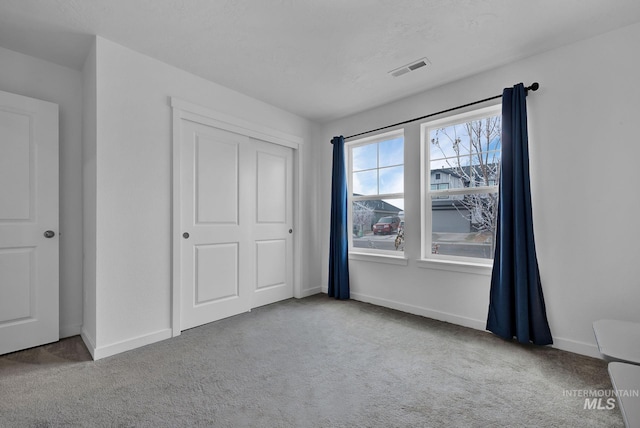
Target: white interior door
[235, 213]
[216, 259]
[28, 211]
[272, 228]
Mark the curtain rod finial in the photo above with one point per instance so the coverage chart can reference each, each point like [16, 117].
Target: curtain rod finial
[534, 86]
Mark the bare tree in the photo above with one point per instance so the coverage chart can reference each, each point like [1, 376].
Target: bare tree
[362, 216]
[476, 161]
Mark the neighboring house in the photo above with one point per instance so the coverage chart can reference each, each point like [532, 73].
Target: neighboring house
[449, 212]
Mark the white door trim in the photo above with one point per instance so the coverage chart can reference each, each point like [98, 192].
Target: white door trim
[183, 110]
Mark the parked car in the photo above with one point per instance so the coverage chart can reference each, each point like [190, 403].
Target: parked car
[386, 225]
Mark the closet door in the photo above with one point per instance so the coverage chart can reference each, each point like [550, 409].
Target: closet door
[236, 214]
[272, 224]
[216, 260]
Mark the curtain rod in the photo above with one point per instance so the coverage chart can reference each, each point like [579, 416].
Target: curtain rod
[534, 87]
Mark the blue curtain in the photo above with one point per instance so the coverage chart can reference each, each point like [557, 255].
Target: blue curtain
[338, 241]
[516, 303]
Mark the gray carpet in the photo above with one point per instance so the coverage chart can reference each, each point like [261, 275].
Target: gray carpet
[315, 362]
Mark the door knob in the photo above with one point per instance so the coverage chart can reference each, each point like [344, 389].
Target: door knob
[185, 235]
[49, 234]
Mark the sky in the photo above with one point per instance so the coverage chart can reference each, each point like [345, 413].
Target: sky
[379, 168]
[443, 154]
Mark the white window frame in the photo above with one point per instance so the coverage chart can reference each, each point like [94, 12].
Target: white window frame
[443, 261]
[371, 254]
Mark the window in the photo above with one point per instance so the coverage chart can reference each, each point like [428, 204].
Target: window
[375, 170]
[460, 170]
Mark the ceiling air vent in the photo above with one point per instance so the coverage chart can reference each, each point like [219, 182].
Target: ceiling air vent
[410, 67]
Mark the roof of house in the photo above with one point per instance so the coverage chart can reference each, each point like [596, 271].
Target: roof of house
[378, 205]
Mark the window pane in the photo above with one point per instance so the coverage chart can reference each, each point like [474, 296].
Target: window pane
[391, 152]
[392, 180]
[470, 151]
[463, 154]
[451, 141]
[449, 179]
[365, 157]
[377, 223]
[464, 225]
[452, 164]
[440, 186]
[365, 182]
[377, 169]
[484, 175]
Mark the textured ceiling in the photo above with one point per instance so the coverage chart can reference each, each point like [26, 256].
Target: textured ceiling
[320, 59]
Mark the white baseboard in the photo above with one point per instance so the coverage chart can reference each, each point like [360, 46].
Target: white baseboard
[582, 348]
[125, 345]
[569, 345]
[418, 310]
[70, 330]
[309, 292]
[89, 342]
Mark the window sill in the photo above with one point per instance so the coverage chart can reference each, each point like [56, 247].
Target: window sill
[456, 266]
[379, 258]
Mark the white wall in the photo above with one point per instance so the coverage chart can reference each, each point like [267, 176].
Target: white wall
[89, 160]
[36, 78]
[314, 212]
[582, 129]
[133, 184]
